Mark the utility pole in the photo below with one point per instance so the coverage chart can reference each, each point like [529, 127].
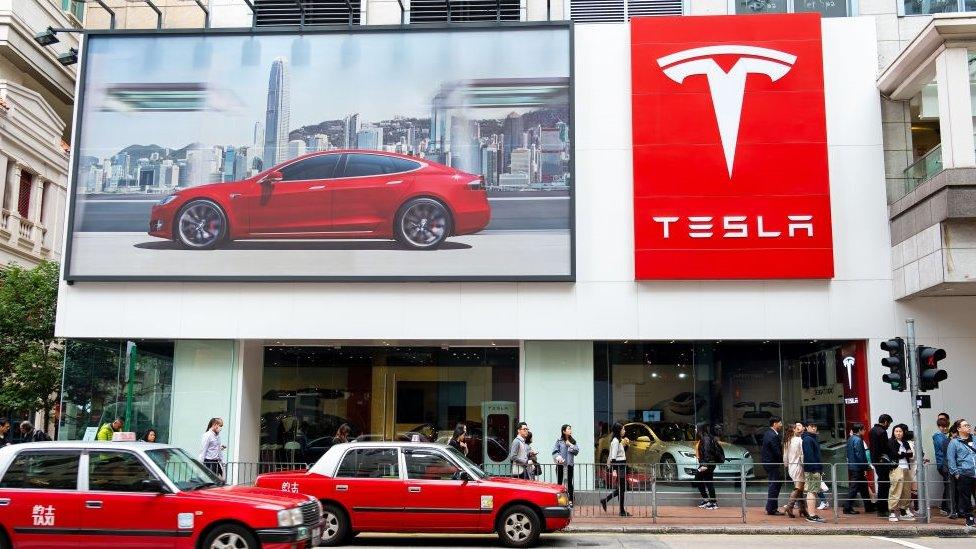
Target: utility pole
[913, 376]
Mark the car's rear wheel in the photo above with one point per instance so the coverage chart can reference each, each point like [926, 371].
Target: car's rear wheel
[335, 525]
[518, 526]
[200, 225]
[4, 542]
[230, 537]
[422, 224]
[669, 469]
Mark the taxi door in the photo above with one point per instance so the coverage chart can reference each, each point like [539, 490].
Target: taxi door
[437, 500]
[39, 501]
[123, 506]
[368, 484]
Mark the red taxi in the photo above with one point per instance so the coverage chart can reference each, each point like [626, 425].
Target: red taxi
[104, 494]
[407, 487]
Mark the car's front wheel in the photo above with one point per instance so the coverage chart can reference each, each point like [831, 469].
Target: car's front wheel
[518, 526]
[230, 537]
[200, 225]
[669, 469]
[422, 224]
[335, 525]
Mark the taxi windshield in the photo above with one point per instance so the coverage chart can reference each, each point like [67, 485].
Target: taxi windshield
[185, 472]
[468, 464]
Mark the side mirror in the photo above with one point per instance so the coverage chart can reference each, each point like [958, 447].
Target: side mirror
[462, 475]
[272, 178]
[153, 485]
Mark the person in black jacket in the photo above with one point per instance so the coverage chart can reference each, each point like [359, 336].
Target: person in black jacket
[812, 469]
[29, 434]
[857, 467]
[882, 460]
[772, 459]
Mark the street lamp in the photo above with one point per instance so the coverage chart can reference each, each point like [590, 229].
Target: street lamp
[68, 58]
[46, 37]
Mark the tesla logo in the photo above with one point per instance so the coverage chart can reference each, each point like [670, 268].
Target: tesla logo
[849, 364]
[727, 88]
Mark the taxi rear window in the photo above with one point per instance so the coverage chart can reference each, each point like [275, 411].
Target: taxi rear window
[369, 463]
[42, 471]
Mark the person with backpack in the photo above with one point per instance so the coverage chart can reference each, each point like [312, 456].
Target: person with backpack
[857, 467]
[709, 453]
[961, 461]
[29, 434]
[940, 443]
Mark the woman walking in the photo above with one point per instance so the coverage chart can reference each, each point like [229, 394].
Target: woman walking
[900, 493]
[617, 467]
[458, 439]
[709, 453]
[793, 460]
[212, 453]
[564, 454]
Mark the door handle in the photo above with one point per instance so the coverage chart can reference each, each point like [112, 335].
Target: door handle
[414, 489]
[235, 196]
[316, 188]
[93, 505]
[342, 487]
[4, 502]
[394, 182]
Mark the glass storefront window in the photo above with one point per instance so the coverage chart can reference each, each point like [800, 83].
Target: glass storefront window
[665, 391]
[386, 393]
[97, 382]
[929, 7]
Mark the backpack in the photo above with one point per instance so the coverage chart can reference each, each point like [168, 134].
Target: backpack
[718, 454]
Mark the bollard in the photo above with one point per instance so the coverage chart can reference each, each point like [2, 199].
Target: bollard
[742, 489]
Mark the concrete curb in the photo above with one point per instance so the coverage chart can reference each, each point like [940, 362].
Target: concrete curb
[747, 530]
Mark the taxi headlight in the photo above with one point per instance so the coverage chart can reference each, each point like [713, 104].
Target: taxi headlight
[562, 499]
[166, 200]
[289, 517]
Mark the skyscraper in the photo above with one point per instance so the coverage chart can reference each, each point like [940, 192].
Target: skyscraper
[512, 129]
[370, 138]
[278, 116]
[296, 148]
[351, 131]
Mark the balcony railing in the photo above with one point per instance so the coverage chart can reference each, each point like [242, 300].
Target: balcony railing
[23, 235]
[922, 170]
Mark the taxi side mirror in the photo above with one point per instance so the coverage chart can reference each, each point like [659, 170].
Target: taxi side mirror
[153, 486]
[272, 178]
[462, 475]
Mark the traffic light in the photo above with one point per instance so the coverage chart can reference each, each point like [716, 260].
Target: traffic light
[929, 374]
[895, 361]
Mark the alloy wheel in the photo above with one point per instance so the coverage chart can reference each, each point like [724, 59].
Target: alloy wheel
[424, 223]
[229, 540]
[669, 470]
[331, 529]
[200, 225]
[518, 527]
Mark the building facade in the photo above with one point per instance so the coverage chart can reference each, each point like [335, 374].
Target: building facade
[287, 362]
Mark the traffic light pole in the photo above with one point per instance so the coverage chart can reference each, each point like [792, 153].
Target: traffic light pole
[913, 376]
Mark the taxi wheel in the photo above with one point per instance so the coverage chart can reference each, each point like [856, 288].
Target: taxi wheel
[335, 526]
[4, 542]
[230, 537]
[518, 526]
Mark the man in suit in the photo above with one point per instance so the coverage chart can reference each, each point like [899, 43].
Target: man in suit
[772, 458]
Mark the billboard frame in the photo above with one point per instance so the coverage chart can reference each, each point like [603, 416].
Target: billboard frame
[72, 196]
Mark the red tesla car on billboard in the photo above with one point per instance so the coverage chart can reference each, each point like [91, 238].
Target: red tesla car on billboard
[334, 194]
[410, 487]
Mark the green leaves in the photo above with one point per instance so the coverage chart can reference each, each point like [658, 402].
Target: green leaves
[30, 355]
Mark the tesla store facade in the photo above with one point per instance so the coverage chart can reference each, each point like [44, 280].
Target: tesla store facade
[619, 337]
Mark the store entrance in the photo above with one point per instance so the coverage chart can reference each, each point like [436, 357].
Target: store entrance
[386, 393]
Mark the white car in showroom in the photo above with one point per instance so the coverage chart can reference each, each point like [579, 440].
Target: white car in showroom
[669, 448]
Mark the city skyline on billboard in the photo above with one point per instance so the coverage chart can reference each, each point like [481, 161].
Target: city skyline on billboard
[167, 123]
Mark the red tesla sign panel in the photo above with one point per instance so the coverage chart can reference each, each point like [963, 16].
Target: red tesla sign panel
[730, 148]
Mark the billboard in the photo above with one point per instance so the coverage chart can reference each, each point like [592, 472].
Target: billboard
[730, 148]
[427, 154]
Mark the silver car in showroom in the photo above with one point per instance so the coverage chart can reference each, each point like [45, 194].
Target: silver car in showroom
[669, 448]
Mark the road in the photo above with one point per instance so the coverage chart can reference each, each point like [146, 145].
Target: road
[672, 541]
[511, 212]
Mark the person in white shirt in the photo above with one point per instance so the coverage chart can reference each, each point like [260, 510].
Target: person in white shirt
[617, 467]
[212, 453]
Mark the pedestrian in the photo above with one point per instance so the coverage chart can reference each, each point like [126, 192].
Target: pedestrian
[953, 435]
[533, 468]
[342, 434]
[212, 453]
[709, 453]
[617, 467]
[772, 460]
[793, 459]
[5, 439]
[150, 436]
[106, 431]
[812, 469]
[29, 434]
[900, 492]
[940, 443]
[857, 468]
[458, 439]
[518, 453]
[882, 460]
[564, 454]
[961, 461]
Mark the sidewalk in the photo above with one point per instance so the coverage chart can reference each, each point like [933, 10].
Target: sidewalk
[728, 520]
